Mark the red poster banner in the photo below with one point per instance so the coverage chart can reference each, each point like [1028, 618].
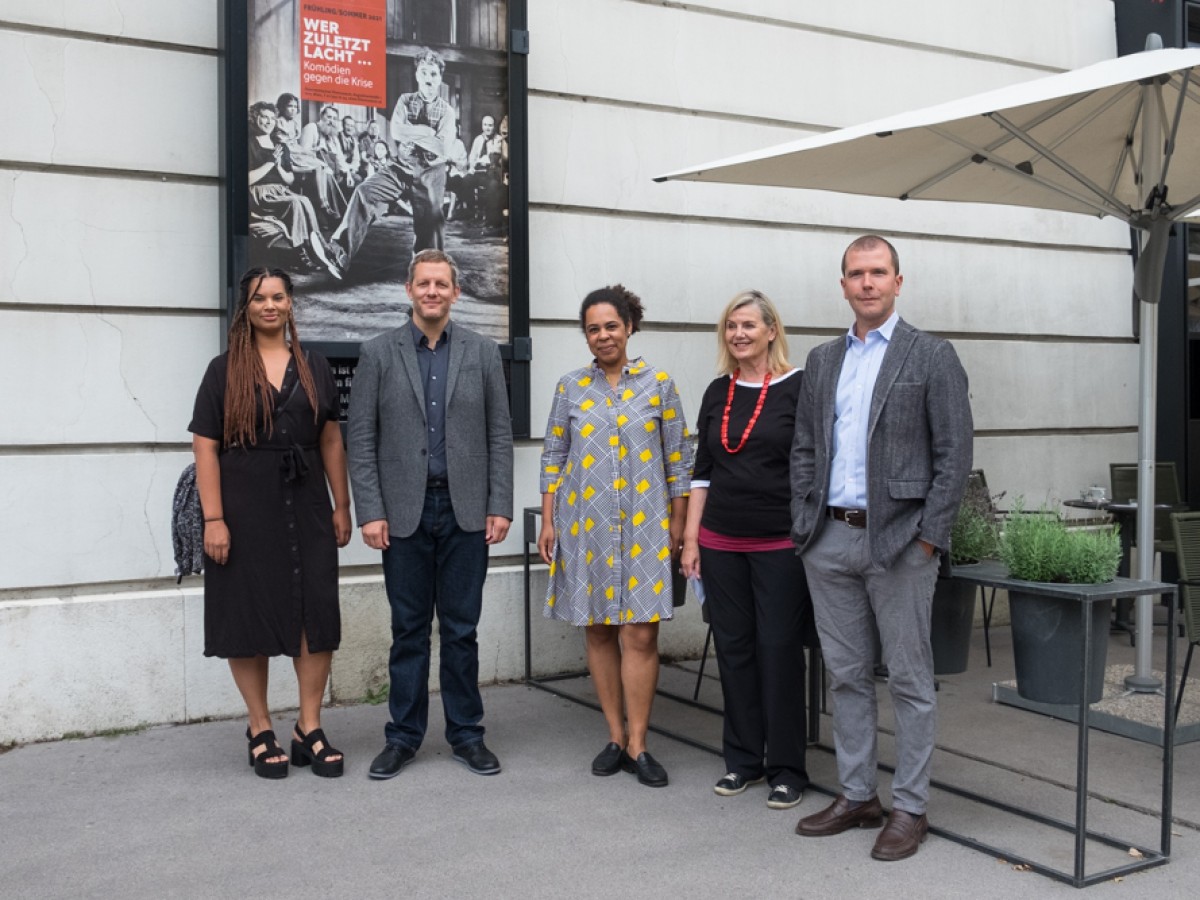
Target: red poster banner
[343, 51]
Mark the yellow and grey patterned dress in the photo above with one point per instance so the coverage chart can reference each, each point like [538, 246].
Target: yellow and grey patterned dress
[614, 458]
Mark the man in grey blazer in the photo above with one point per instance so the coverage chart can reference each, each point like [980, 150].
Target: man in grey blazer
[879, 463]
[431, 464]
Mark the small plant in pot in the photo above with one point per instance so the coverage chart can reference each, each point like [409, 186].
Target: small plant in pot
[972, 537]
[1038, 546]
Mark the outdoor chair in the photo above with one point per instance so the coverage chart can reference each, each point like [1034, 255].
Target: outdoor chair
[1186, 530]
[1124, 478]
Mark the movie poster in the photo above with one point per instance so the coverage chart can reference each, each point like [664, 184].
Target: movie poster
[377, 128]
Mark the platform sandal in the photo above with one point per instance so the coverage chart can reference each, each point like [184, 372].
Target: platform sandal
[304, 753]
[263, 766]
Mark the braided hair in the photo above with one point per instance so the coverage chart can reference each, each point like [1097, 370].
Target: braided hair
[246, 383]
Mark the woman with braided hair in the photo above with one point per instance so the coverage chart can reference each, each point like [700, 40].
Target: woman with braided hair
[266, 440]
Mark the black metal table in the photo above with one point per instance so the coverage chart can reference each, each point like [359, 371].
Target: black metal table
[995, 575]
[986, 574]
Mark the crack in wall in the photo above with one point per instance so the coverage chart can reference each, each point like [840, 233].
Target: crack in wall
[121, 370]
[147, 521]
[147, 517]
[20, 231]
[33, 69]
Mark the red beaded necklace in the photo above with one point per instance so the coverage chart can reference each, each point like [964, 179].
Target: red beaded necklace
[762, 398]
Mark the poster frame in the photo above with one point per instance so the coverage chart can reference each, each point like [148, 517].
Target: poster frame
[233, 133]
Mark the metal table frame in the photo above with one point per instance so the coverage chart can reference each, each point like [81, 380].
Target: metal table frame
[985, 575]
[995, 575]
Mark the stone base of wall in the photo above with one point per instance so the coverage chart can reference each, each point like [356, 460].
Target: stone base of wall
[105, 662]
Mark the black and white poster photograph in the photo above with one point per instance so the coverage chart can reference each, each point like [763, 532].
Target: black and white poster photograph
[378, 128]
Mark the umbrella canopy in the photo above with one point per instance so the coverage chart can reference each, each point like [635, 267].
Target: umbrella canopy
[1119, 138]
[1067, 142]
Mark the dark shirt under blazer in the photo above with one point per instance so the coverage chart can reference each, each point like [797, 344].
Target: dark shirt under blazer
[434, 364]
[389, 454]
[919, 443]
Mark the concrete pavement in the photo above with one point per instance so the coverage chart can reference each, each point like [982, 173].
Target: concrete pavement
[174, 811]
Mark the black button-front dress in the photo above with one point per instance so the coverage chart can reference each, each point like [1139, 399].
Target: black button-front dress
[281, 576]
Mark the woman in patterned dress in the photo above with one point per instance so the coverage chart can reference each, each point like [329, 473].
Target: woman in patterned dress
[614, 481]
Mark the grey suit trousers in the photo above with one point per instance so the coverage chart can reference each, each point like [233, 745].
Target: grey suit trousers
[853, 599]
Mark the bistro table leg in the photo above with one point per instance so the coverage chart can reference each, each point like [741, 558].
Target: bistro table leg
[1123, 609]
[1081, 759]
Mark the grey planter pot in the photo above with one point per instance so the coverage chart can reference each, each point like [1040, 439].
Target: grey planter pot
[952, 619]
[1047, 637]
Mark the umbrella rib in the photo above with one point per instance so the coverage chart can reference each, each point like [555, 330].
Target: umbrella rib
[1111, 203]
[1054, 159]
[1127, 155]
[1111, 192]
[1169, 152]
[1110, 208]
[916, 190]
[1182, 210]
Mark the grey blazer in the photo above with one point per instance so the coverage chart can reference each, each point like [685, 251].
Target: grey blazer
[388, 443]
[919, 443]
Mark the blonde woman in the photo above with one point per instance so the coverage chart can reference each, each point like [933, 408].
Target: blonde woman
[737, 541]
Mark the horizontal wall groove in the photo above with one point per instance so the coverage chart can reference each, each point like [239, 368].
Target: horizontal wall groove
[97, 38]
[849, 35]
[95, 449]
[673, 218]
[44, 168]
[1089, 431]
[714, 114]
[200, 312]
[830, 333]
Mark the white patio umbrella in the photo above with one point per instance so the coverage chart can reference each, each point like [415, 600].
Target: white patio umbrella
[1119, 138]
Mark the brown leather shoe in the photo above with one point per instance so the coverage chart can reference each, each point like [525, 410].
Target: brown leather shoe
[900, 839]
[840, 816]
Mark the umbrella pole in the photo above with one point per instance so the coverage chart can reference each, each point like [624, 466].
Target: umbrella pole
[1148, 286]
[1142, 680]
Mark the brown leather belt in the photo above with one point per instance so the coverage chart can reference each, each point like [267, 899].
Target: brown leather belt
[855, 518]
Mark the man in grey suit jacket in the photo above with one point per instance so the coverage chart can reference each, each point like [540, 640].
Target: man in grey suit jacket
[879, 463]
[431, 464]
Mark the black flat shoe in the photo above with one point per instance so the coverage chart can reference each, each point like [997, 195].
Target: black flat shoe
[391, 760]
[305, 753]
[478, 758]
[610, 760]
[647, 769]
[263, 767]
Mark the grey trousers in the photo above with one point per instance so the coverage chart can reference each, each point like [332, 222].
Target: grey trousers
[853, 600]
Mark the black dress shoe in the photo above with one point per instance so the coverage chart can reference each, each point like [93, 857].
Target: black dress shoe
[389, 763]
[610, 760]
[478, 758]
[647, 769]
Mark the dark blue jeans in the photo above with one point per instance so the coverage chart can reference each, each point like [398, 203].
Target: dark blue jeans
[438, 568]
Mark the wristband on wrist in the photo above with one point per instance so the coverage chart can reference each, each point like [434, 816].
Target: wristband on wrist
[216, 519]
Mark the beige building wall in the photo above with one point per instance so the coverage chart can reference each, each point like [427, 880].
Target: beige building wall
[110, 291]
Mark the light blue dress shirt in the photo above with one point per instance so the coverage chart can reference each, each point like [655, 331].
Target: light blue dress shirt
[852, 414]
